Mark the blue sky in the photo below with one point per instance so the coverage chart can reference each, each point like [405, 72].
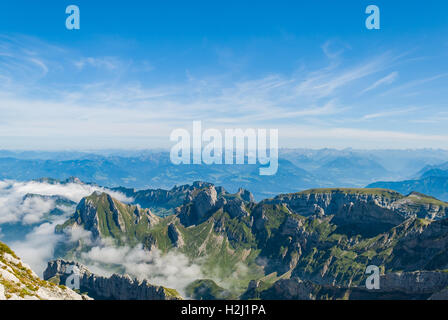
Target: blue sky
[138, 69]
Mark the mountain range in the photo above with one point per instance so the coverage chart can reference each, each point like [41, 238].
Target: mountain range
[313, 244]
[299, 169]
[432, 180]
[143, 228]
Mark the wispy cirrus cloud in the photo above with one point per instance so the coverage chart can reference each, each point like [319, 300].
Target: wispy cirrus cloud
[389, 79]
[108, 101]
[419, 83]
[109, 63]
[389, 113]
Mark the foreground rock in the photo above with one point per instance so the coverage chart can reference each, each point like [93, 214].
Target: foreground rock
[117, 287]
[19, 282]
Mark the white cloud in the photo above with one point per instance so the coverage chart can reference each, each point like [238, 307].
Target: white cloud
[109, 63]
[389, 79]
[172, 270]
[390, 113]
[38, 246]
[16, 208]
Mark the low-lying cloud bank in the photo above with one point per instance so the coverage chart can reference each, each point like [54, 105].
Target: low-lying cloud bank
[172, 270]
[15, 207]
[31, 206]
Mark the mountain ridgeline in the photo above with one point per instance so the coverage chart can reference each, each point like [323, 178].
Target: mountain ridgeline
[432, 180]
[299, 169]
[312, 244]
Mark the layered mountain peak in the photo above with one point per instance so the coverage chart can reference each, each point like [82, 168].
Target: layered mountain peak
[105, 217]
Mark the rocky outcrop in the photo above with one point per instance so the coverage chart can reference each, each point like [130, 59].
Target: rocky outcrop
[116, 287]
[418, 282]
[442, 295]
[356, 204]
[165, 201]
[368, 211]
[245, 195]
[397, 286]
[86, 215]
[19, 282]
[234, 206]
[291, 289]
[175, 236]
[202, 203]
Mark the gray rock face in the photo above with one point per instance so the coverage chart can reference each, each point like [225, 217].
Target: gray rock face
[236, 208]
[87, 216]
[392, 207]
[442, 295]
[418, 282]
[409, 285]
[291, 289]
[369, 212]
[204, 201]
[246, 195]
[175, 236]
[116, 287]
[201, 204]
[291, 227]
[118, 219]
[344, 206]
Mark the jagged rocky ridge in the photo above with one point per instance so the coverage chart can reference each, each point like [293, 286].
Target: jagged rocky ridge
[116, 287]
[326, 237]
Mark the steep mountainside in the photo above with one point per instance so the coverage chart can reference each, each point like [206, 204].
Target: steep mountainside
[106, 217]
[326, 236]
[18, 282]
